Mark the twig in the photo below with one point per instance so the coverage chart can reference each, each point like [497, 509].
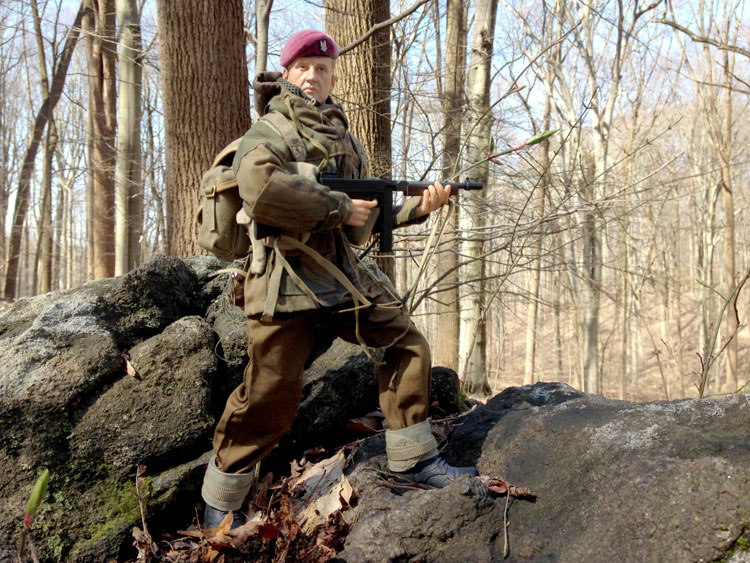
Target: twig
[506, 547]
[141, 497]
[382, 25]
[701, 39]
[412, 485]
[710, 358]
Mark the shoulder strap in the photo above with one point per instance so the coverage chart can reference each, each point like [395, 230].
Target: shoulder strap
[288, 132]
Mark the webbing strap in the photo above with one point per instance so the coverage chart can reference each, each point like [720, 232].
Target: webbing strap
[285, 242]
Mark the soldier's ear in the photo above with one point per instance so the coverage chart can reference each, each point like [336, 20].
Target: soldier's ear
[333, 81]
[284, 73]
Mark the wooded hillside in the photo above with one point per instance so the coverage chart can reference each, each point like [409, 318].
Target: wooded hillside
[610, 254]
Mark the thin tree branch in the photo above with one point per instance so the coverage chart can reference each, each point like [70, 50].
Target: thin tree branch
[708, 40]
[381, 25]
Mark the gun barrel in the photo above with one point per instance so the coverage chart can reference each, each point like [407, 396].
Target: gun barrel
[416, 188]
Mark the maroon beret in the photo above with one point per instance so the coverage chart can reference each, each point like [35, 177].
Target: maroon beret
[308, 43]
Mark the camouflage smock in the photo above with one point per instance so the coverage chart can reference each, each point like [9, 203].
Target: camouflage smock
[300, 207]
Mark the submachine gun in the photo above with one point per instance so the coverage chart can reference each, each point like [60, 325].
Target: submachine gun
[383, 190]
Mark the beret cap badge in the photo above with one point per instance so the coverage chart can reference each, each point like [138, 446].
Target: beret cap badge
[308, 43]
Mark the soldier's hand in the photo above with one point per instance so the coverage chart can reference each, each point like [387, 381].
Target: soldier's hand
[360, 211]
[433, 198]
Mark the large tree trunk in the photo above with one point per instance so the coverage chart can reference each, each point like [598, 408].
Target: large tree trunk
[445, 351]
[27, 167]
[364, 80]
[472, 352]
[129, 220]
[101, 56]
[206, 101]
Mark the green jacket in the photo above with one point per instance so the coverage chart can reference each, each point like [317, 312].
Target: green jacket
[299, 207]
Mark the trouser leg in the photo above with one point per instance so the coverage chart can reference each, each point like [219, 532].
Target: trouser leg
[404, 379]
[403, 382]
[261, 410]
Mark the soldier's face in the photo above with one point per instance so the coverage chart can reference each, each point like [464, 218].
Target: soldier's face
[314, 75]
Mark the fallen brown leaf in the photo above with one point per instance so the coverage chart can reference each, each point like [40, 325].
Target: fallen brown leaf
[500, 486]
[129, 368]
[364, 425]
[146, 547]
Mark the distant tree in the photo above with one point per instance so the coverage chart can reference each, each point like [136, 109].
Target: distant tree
[715, 98]
[472, 350]
[445, 353]
[27, 167]
[42, 266]
[206, 101]
[101, 60]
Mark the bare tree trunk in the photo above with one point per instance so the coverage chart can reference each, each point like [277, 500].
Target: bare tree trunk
[262, 18]
[59, 235]
[101, 55]
[445, 352]
[727, 195]
[27, 167]
[129, 210]
[43, 259]
[158, 200]
[41, 282]
[472, 352]
[200, 41]
[535, 273]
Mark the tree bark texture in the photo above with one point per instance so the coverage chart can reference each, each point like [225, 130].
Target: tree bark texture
[101, 55]
[262, 19]
[206, 101]
[364, 75]
[472, 351]
[129, 200]
[363, 81]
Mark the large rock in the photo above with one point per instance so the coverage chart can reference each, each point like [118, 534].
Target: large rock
[166, 395]
[68, 404]
[613, 481]
[133, 371]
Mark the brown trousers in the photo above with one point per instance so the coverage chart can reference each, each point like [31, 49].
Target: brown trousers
[261, 410]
